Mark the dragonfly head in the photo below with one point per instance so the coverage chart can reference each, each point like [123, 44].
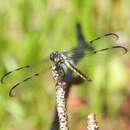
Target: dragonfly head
[55, 57]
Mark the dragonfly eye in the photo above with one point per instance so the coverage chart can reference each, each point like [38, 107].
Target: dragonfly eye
[54, 56]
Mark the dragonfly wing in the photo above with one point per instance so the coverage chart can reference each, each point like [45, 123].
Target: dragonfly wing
[29, 67]
[111, 36]
[20, 76]
[101, 50]
[20, 82]
[106, 42]
[82, 45]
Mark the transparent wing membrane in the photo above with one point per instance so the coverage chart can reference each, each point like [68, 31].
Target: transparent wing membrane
[19, 83]
[106, 42]
[10, 72]
[98, 50]
[120, 50]
[31, 66]
[25, 73]
[112, 36]
[101, 56]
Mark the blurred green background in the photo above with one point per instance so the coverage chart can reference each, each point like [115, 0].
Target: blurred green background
[30, 30]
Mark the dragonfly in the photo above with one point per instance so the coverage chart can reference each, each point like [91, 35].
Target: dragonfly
[63, 60]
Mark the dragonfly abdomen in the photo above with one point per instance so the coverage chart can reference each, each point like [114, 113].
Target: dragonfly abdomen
[78, 72]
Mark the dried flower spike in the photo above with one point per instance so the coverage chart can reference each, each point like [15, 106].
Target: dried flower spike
[92, 124]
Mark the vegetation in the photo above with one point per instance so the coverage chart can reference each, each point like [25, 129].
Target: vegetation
[30, 30]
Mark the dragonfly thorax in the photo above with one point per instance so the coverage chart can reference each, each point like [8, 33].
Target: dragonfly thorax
[57, 57]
